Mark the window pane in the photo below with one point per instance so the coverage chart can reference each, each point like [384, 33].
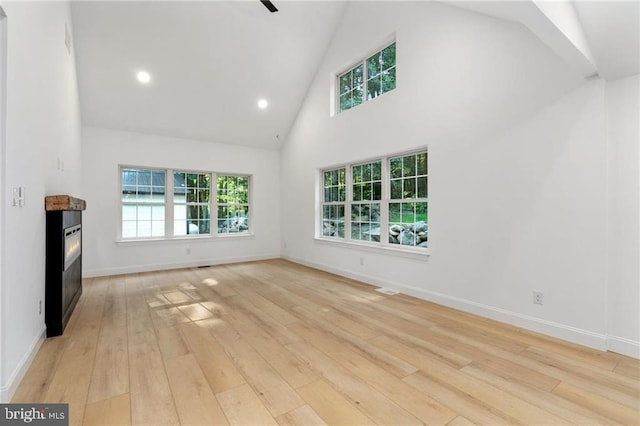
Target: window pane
[373, 65]
[192, 196]
[357, 192]
[409, 165]
[396, 189]
[373, 87]
[395, 167]
[388, 57]
[345, 81]
[376, 170]
[357, 77]
[157, 193]
[144, 212]
[422, 187]
[377, 191]
[356, 97]
[388, 80]
[345, 102]
[129, 193]
[128, 229]
[355, 231]
[366, 172]
[203, 196]
[421, 160]
[340, 221]
[180, 212]
[356, 173]
[365, 224]
[144, 228]
[129, 213]
[367, 191]
[157, 228]
[409, 188]
[222, 182]
[204, 180]
[144, 177]
[179, 184]
[179, 227]
[394, 213]
[157, 179]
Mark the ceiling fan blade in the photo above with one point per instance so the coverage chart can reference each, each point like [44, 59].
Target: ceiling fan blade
[269, 5]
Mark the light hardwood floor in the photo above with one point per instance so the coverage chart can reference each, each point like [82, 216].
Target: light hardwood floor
[276, 343]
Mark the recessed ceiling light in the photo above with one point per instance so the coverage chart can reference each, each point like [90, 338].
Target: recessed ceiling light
[262, 103]
[143, 77]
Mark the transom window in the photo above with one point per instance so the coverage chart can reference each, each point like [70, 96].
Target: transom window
[368, 79]
[387, 200]
[155, 207]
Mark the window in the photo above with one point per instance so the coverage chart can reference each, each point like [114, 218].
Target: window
[233, 204]
[408, 200]
[155, 207]
[387, 199]
[191, 207]
[368, 79]
[143, 203]
[366, 193]
[333, 203]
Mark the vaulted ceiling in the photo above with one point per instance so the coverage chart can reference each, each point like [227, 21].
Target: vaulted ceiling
[210, 61]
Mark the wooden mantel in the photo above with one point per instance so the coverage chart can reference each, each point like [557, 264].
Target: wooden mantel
[63, 202]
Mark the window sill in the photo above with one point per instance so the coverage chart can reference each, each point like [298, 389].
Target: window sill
[406, 253]
[183, 239]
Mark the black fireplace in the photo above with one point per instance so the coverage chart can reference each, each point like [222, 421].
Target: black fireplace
[63, 261]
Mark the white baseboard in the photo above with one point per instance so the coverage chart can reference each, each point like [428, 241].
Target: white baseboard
[132, 269]
[623, 346]
[9, 389]
[549, 328]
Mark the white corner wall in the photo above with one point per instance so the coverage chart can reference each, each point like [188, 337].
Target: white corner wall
[517, 162]
[104, 150]
[43, 124]
[623, 294]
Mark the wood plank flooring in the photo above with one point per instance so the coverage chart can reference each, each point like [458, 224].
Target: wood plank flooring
[273, 342]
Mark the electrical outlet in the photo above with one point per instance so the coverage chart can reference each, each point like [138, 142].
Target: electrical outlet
[538, 298]
[188, 250]
[40, 307]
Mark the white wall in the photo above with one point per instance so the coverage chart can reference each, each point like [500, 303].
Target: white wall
[517, 162]
[43, 123]
[623, 301]
[104, 150]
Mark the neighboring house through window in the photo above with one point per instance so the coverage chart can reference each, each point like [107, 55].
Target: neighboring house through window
[153, 206]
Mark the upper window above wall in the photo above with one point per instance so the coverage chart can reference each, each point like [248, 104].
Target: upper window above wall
[368, 79]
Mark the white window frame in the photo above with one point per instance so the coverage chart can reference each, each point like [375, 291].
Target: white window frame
[169, 206]
[384, 243]
[365, 77]
[123, 203]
